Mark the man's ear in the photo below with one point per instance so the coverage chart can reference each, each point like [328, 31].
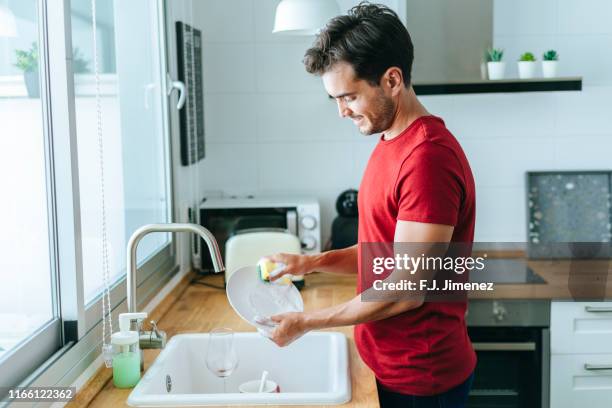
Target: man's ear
[393, 80]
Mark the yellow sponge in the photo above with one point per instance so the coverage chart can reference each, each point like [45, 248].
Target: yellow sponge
[265, 266]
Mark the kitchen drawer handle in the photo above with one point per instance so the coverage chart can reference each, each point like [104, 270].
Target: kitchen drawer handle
[526, 346]
[598, 309]
[594, 367]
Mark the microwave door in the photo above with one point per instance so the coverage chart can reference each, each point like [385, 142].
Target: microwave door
[292, 222]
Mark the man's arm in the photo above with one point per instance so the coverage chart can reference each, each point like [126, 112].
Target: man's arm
[341, 261]
[293, 325]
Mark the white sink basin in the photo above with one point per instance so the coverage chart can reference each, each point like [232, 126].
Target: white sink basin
[312, 370]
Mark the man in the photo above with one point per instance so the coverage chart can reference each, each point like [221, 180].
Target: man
[417, 187]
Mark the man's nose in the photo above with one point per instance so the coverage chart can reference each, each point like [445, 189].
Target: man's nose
[343, 111]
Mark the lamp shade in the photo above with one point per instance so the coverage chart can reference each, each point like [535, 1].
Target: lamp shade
[303, 17]
[8, 25]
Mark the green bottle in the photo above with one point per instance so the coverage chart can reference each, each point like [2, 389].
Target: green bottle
[126, 369]
[126, 360]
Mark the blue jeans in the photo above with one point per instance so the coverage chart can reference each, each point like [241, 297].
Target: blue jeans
[454, 398]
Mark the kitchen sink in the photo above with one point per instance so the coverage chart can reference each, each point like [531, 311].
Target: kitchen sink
[312, 370]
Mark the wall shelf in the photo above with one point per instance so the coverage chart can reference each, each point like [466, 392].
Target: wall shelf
[501, 86]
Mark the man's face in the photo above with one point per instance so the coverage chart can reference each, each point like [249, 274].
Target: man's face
[368, 106]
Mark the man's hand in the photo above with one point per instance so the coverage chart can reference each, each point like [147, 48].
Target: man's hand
[291, 326]
[295, 264]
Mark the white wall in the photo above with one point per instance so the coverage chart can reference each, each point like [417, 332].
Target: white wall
[271, 128]
[506, 135]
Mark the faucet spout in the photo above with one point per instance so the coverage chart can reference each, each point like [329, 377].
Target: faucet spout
[205, 234]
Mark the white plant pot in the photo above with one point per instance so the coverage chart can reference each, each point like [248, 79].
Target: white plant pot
[496, 69]
[527, 69]
[549, 68]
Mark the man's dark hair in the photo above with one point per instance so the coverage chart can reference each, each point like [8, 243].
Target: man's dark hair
[370, 37]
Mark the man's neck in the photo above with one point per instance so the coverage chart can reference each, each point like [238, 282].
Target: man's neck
[408, 110]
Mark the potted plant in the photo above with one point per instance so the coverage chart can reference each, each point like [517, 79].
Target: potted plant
[27, 62]
[495, 66]
[527, 66]
[550, 61]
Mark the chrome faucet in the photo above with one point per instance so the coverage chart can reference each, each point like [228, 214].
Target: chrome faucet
[157, 338]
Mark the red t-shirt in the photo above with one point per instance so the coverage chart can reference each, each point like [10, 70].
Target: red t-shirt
[420, 175]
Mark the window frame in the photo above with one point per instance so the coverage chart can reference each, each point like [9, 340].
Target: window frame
[34, 350]
[61, 350]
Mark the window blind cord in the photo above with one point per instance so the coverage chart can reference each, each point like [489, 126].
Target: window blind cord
[107, 318]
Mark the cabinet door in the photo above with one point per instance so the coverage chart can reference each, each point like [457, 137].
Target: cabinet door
[581, 380]
[581, 327]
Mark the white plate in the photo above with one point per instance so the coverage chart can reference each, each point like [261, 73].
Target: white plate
[251, 297]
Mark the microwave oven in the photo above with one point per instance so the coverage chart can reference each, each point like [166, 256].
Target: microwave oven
[224, 217]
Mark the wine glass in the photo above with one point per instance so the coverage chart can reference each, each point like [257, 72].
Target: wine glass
[221, 357]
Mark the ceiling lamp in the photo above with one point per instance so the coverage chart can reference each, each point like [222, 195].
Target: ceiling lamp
[303, 17]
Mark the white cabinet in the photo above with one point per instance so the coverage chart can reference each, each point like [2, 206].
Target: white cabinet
[576, 382]
[581, 327]
[581, 354]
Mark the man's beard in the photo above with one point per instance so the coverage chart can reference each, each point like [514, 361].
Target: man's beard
[382, 118]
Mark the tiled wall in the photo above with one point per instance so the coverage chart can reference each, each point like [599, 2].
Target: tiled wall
[271, 128]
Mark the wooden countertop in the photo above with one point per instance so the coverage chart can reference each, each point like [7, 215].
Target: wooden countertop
[193, 308]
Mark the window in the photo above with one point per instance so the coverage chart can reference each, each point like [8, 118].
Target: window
[50, 178]
[135, 169]
[28, 290]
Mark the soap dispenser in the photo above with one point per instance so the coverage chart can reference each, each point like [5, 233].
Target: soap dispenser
[126, 352]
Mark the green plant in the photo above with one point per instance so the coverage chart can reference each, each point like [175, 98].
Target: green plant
[79, 63]
[527, 57]
[550, 55]
[495, 54]
[27, 60]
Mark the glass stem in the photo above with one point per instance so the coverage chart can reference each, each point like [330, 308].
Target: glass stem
[224, 385]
